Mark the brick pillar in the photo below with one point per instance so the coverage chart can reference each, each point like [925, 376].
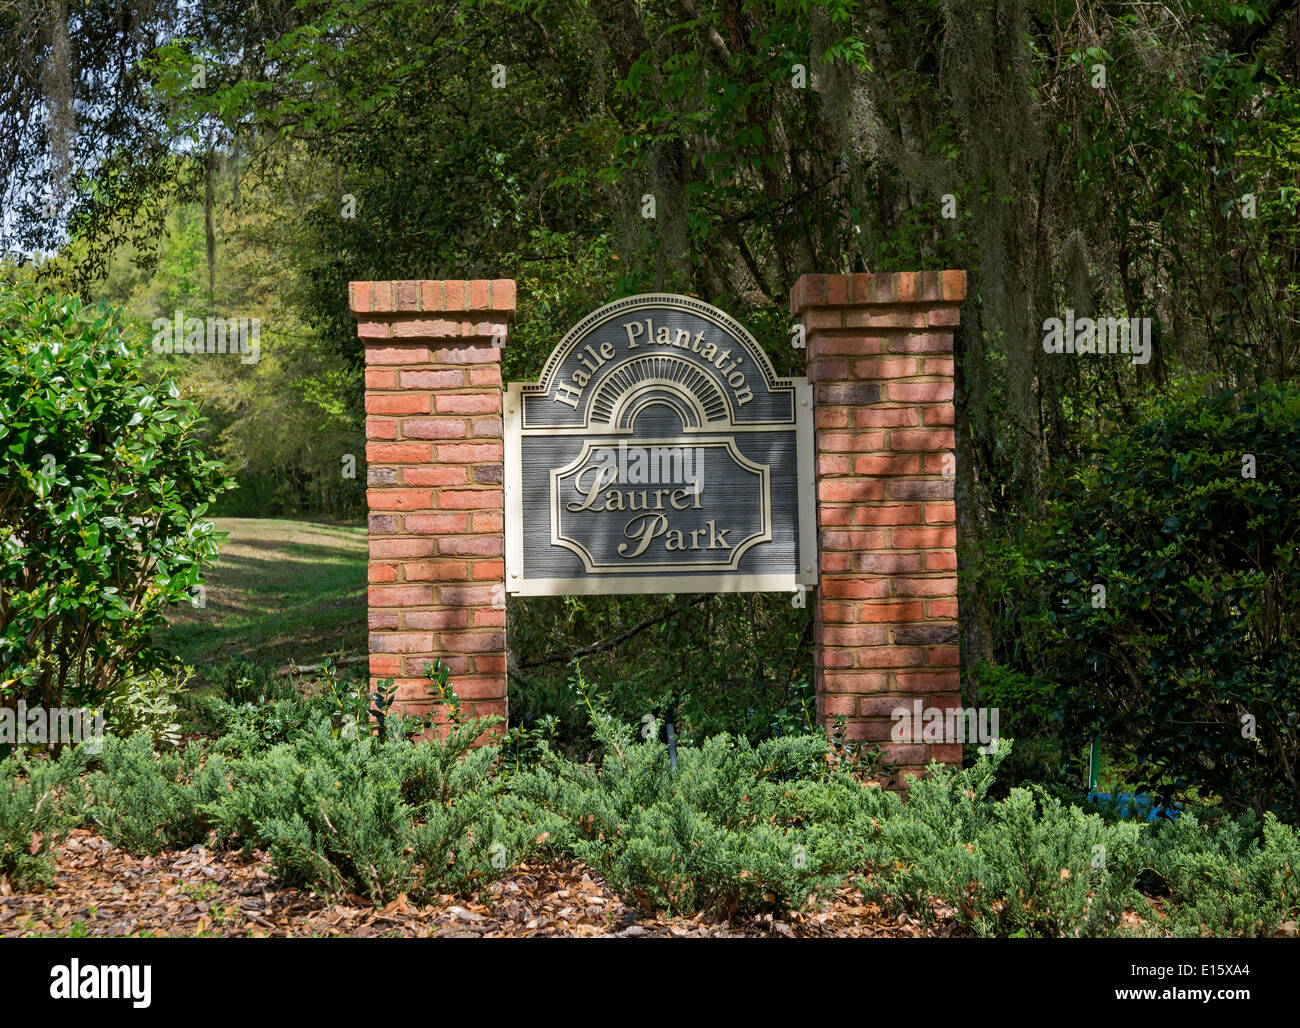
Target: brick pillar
[434, 451]
[880, 362]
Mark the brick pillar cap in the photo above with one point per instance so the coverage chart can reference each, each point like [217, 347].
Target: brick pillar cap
[860, 290]
[483, 296]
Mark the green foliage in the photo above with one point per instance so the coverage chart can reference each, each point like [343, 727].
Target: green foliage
[738, 663]
[245, 681]
[40, 801]
[147, 802]
[1240, 879]
[733, 829]
[148, 702]
[1026, 865]
[102, 496]
[1193, 663]
[375, 817]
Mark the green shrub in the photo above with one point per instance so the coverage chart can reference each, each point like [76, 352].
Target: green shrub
[40, 802]
[376, 817]
[147, 802]
[243, 681]
[1191, 668]
[1242, 878]
[1026, 865]
[734, 829]
[102, 495]
[251, 728]
[147, 702]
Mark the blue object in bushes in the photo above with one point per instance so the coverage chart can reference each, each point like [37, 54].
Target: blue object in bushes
[1128, 804]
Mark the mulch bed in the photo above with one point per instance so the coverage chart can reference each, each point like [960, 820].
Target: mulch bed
[100, 890]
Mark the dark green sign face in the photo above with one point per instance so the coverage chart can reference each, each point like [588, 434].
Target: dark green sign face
[659, 453]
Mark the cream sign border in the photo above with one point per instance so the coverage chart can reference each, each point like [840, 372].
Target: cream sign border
[804, 574]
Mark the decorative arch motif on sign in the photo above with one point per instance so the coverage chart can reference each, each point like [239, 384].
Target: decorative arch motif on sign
[659, 452]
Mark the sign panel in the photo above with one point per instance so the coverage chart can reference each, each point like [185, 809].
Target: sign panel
[659, 452]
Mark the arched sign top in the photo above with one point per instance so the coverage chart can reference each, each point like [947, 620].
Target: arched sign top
[672, 351]
[659, 452]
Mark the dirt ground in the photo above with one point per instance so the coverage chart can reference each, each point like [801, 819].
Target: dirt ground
[100, 890]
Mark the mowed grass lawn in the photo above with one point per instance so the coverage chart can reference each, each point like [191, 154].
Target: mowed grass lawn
[281, 591]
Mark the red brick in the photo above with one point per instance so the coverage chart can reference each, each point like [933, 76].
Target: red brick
[467, 403]
[401, 642]
[435, 428]
[856, 682]
[832, 417]
[847, 490]
[921, 439]
[887, 417]
[401, 547]
[386, 665]
[489, 522]
[926, 681]
[877, 657]
[470, 453]
[503, 294]
[887, 563]
[381, 428]
[476, 642]
[885, 367]
[396, 354]
[437, 571]
[437, 620]
[472, 546]
[854, 442]
[381, 378]
[400, 595]
[941, 513]
[917, 392]
[890, 613]
[399, 499]
[866, 635]
[946, 586]
[941, 560]
[399, 453]
[480, 688]
[924, 538]
[833, 562]
[854, 588]
[466, 595]
[899, 514]
[437, 524]
[827, 344]
[489, 569]
[381, 572]
[435, 474]
[861, 540]
[471, 499]
[887, 465]
[425, 379]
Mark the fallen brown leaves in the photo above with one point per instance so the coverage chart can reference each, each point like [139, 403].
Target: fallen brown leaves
[101, 890]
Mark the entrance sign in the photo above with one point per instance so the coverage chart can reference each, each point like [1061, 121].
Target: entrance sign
[659, 452]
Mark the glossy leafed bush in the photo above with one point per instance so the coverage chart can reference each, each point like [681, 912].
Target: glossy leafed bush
[103, 491]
